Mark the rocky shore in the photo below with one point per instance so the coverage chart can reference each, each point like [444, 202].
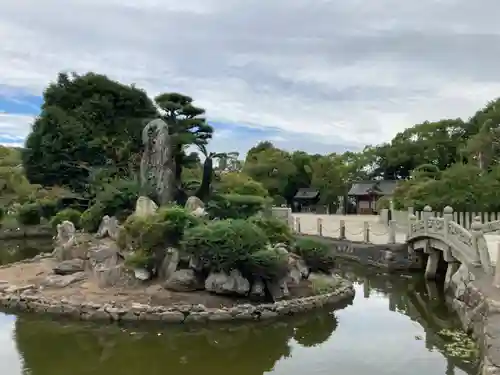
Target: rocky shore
[36, 298]
[477, 303]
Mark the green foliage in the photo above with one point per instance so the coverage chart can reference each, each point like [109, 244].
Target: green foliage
[28, 214]
[276, 230]
[234, 206]
[158, 231]
[68, 214]
[48, 207]
[323, 284]
[316, 254]
[3, 213]
[118, 198]
[241, 184]
[86, 121]
[138, 259]
[383, 203]
[234, 244]
[91, 218]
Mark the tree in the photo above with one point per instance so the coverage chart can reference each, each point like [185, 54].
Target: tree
[330, 177]
[86, 121]
[271, 167]
[187, 128]
[239, 183]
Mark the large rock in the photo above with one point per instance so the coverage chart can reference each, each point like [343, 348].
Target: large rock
[222, 283]
[258, 289]
[169, 264]
[58, 281]
[109, 276]
[195, 206]
[65, 240]
[105, 253]
[145, 207]
[109, 227]
[297, 268]
[157, 165]
[68, 267]
[278, 289]
[184, 281]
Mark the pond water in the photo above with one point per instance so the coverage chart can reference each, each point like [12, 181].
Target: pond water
[391, 328]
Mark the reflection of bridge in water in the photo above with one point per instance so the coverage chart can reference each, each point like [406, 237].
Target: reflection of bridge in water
[420, 300]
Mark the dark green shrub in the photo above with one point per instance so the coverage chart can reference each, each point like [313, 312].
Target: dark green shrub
[138, 259]
[234, 244]
[234, 206]
[68, 214]
[91, 218]
[48, 207]
[275, 229]
[119, 197]
[3, 212]
[316, 254]
[158, 231]
[29, 214]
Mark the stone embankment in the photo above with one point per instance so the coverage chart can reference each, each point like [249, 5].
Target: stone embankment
[31, 298]
[477, 303]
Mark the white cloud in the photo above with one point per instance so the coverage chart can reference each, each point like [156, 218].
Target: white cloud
[344, 72]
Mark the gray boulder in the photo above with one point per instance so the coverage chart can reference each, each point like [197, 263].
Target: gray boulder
[59, 281]
[69, 267]
[184, 281]
[222, 283]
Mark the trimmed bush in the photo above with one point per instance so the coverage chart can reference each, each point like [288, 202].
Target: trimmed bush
[91, 218]
[234, 244]
[316, 254]
[48, 207]
[234, 206]
[69, 214]
[158, 231]
[276, 230]
[118, 198]
[138, 259]
[28, 214]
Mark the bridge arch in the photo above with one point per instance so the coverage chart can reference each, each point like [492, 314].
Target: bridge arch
[442, 235]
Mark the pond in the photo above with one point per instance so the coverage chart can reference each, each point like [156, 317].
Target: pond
[396, 325]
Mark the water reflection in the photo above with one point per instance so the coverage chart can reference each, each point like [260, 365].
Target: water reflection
[16, 250]
[390, 329]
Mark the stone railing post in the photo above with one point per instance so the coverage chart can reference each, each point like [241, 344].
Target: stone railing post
[496, 280]
[384, 216]
[366, 232]
[478, 240]
[447, 217]
[297, 225]
[392, 231]
[426, 215]
[319, 226]
[342, 230]
[412, 220]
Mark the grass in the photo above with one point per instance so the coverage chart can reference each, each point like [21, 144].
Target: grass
[323, 284]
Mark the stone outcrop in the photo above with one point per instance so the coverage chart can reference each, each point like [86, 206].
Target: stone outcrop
[31, 299]
[60, 281]
[477, 304]
[169, 264]
[68, 267]
[145, 207]
[109, 227]
[195, 206]
[227, 284]
[184, 281]
[157, 164]
[65, 240]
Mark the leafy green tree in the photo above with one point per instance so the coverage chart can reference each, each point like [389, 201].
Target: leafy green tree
[239, 183]
[86, 121]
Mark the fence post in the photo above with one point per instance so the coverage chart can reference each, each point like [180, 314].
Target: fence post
[426, 215]
[297, 225]
[319, 225]
[366, 232]
[392, 231]
[496, 280]
[480, 247]
[447, 217]
[412, 220]
[342, 230]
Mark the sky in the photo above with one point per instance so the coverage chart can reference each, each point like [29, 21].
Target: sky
[316, 75]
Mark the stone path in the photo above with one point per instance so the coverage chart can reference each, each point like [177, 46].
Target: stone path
[378, 232]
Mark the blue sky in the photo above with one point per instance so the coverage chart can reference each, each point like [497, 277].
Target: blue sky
[320, 76]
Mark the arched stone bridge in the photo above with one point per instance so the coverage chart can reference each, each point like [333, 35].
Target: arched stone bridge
[442, 235]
